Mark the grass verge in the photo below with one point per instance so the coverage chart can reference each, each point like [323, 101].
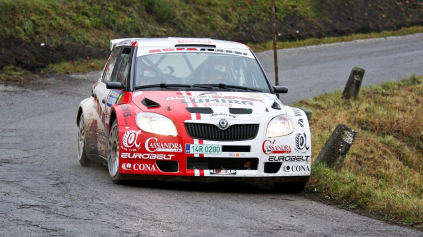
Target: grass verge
[383, 171]
[329, 40]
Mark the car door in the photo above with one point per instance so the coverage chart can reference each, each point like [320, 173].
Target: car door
[100, 96]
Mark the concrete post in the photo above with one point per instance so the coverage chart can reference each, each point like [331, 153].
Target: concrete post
[352, 88]
[336, 147]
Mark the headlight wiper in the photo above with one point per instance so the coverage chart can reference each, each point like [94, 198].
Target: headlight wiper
[163, 85]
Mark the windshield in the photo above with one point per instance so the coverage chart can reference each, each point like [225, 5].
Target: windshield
[197, 69]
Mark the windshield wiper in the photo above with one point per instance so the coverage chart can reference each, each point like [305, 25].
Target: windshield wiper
[224, 86]
[163, 85]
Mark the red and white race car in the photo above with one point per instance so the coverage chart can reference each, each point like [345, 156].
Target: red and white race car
[192, 109]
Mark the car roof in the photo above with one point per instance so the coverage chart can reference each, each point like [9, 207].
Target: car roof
[173, 42]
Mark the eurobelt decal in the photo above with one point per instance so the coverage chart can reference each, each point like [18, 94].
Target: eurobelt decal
[114, 97]
[146, 156]
[216, 99]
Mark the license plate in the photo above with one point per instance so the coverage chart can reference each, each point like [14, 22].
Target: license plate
[224, 172]
[203, 149]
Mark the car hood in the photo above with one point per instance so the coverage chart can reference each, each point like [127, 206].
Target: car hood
[181, 106]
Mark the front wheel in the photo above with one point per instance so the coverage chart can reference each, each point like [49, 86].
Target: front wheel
[113, 153]
[290, 187]
[82, 156]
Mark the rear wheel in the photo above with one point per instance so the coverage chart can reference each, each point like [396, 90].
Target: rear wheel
[113, 153]
[82, 156]
[290, 187]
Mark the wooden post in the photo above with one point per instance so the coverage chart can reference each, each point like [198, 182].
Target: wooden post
[352, 88]
[336, 147]
[275, 51]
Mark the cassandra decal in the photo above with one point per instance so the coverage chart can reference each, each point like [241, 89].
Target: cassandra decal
[269, 147]
[146, 156]
[152, 145]
[129, 141]
[301, 143]
[296, 168]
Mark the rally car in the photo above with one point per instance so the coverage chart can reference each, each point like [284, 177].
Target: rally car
[192, 109]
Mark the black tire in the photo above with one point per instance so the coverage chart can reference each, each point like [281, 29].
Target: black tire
[290, 187]
[82, 155]
[113, 161]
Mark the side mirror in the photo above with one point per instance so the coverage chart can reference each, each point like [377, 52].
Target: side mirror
[280, 89]
[114, 85]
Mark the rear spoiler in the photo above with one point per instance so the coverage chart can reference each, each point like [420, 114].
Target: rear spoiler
[114, 42]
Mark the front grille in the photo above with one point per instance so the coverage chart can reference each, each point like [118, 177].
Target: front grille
[222, 163]
[236, 132]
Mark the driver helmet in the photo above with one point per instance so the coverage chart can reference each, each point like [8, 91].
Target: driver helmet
[148, 75]
[217, 72]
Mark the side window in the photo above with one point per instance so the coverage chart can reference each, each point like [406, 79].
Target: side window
[108, 70]
[123, 66]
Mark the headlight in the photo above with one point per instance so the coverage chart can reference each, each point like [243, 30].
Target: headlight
[281, 125]
[156, 123]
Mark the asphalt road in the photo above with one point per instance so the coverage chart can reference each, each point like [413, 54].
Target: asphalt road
[45, 192]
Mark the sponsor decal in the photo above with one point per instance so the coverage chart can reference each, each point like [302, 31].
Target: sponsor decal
[113, 97]
[141, 167]
[126, 111]
[129, 141]
[296, 168]
[269, 147]
[152, 145]
[218, 104]
[289, 158]
[301, 122]
[119, 98]
[301, 143]
[202, 41]
[297, 112]
[146, 156]
[138, 93]
[222, 114]
[236, 154]
[216, 99]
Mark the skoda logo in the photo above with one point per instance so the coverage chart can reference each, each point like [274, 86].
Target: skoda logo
[223, 124]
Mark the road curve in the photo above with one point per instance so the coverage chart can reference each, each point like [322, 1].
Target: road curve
[314, 70]
[45, 192]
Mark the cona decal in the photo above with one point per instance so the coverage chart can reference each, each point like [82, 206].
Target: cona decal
[152, 145]
[140, 167]
[289, 158]
[146, 156]
[301, 143]
[296, 168]
[129, 141]
[269, 147]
